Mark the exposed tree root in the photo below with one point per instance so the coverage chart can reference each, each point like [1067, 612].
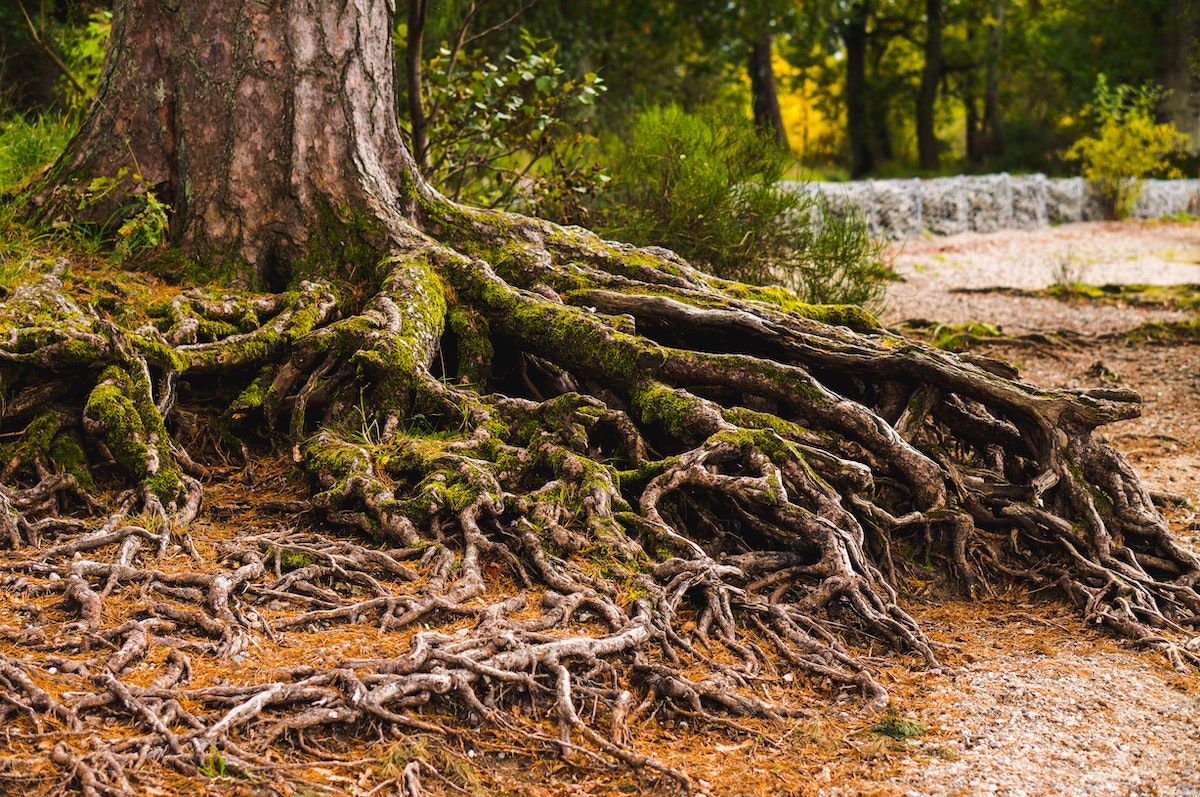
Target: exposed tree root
[564, 484]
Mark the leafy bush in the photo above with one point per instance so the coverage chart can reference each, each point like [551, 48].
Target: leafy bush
[1129, 144]
[506, 132]
[708, 187]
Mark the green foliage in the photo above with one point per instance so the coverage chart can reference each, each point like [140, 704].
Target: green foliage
[144, 216]
[27, 146]
[896, 728]
[507, 130]
[708, 187]
[213, 766]
[83, 50]
[1129, 144]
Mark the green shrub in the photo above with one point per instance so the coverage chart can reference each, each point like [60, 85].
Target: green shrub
[1128, 146]
[507, 132]
[708, 187]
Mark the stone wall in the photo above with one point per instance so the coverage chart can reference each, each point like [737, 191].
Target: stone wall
[991, 202]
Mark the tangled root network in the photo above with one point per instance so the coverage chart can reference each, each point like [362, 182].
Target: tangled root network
[514, 478]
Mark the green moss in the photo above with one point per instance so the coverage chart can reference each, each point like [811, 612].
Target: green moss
[158, 352]
[845, 315]
[40, 433]
[765, 441]
[171, 265]
[122, 409]
[753, 419]
[344, 246]
[167, 484]
[123, 430]
[1164, 331]
[293, 560]
[672, 409]
[475, 351]
[68, 457]
[635, 478]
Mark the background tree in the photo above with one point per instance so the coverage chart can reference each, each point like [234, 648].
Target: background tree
[931, 77]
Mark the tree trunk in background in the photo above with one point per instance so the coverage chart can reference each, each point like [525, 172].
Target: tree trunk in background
[232, 114]
[1179, 69]
[931, 76]
[970, 88]
[417, 12]
[858, 120]
[993, 119]
[767, 116]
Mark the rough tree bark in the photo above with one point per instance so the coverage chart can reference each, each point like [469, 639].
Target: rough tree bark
[547, 471]
[1179, 68]
[992, 134]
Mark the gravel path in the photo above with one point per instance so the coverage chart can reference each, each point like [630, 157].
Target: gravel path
[1160, 253]
[1045, 706]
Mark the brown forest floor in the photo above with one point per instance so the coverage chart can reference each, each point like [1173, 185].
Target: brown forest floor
[1029, 702]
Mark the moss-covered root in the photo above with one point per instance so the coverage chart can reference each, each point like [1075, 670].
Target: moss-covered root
[121, 414]
[352, 491]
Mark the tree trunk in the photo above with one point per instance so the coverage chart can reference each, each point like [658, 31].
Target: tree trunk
[768, 118]
[417, 12]
[931, 77]
[993, 116]
[858, 110]
[529, 470]
[1179, 69]
[970, 89]
[237, 132]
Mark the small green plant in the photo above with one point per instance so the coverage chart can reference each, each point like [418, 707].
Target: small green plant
[213, 765]
[709, 187]
[29, 145]
[144, 217]
[1128, 146]
[893, 726]
[1067, 273]
[83, 47]
[369, 431]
